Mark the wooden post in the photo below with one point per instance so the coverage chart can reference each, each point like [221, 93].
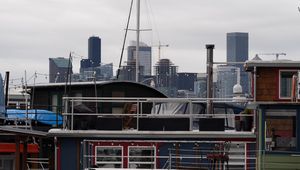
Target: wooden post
[17, 153]
[24, 160]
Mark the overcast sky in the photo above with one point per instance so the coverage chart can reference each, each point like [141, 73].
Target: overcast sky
[31, 31]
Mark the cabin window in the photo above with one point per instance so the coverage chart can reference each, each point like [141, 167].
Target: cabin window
[141, 157]
[109, 157]
[286, 83]
[78, 102]
[54, 102]
[280, 130]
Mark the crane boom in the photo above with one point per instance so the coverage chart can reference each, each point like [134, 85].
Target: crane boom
[159, 48]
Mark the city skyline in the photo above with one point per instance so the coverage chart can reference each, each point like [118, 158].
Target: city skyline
[34, 31]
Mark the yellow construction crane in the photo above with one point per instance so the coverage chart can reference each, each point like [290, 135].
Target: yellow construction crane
[275, 54]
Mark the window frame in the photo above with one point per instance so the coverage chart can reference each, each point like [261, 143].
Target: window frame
[108, 162]
[145, 163]
[277, 113]
[279, 82]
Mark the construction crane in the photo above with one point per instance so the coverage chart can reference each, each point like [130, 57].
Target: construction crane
[275, 54]
[159, 48]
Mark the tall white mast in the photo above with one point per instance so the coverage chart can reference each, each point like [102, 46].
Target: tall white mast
[137, 41]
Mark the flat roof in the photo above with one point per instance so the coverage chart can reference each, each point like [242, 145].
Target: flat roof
[134, 134]
[249, 65]
[21, 131]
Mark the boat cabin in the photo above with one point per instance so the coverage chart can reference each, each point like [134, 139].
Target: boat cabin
[131, 125]
[275, 91]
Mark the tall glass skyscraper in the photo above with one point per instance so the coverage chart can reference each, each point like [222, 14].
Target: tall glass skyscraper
[145, 56]
[237, 51]
[94, 51]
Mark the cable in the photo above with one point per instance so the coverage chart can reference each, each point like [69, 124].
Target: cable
[124, 40]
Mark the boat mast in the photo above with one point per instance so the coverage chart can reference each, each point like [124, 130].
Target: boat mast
[137, 41]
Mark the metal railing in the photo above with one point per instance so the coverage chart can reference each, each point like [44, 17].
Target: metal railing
[37, 163]
[135, 109]
[212, 155]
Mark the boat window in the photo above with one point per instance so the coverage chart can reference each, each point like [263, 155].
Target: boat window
[280, 130]
[109, 157]
[286, 83]
[54, 102]
[78, 102]
[141, 157]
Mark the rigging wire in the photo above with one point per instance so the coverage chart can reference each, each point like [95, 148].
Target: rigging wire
[149, 20]
[124, 40]
[153, 23]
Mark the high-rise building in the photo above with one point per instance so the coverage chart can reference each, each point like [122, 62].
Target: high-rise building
[59, 69]
[94, 51]
[166, 77]
[226, 79]
[127, 72]
[145, 58]
[237, 51]
[200, 85]
[186, 81]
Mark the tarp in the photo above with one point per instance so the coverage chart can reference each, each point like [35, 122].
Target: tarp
[42, 116]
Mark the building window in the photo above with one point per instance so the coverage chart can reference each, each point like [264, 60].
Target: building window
[141, 157]
[280, 130]
[286, 83]
[109, 157]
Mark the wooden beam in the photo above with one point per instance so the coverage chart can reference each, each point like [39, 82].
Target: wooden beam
[24, 160]
[17, 153]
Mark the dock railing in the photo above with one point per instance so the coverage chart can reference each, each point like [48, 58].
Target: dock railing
[80, 112]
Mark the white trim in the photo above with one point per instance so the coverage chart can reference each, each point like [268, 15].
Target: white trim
[142, 147]
[108, 162]
[279, 83]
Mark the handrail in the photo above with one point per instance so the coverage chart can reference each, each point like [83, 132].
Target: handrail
[140, 105]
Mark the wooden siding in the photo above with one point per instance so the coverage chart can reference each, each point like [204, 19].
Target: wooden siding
[267, 84]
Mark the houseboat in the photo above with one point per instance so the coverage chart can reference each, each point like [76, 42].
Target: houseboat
[275, 90]
[129, 125]
[119, 124]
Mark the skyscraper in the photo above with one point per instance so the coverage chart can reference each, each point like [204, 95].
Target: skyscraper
[166, 77]
[94, 52]
[186, 81]
[226, 79]
[58, 69]
[145, 58]
[237, 51]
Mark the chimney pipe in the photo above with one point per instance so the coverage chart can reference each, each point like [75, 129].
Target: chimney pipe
[209, 70]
